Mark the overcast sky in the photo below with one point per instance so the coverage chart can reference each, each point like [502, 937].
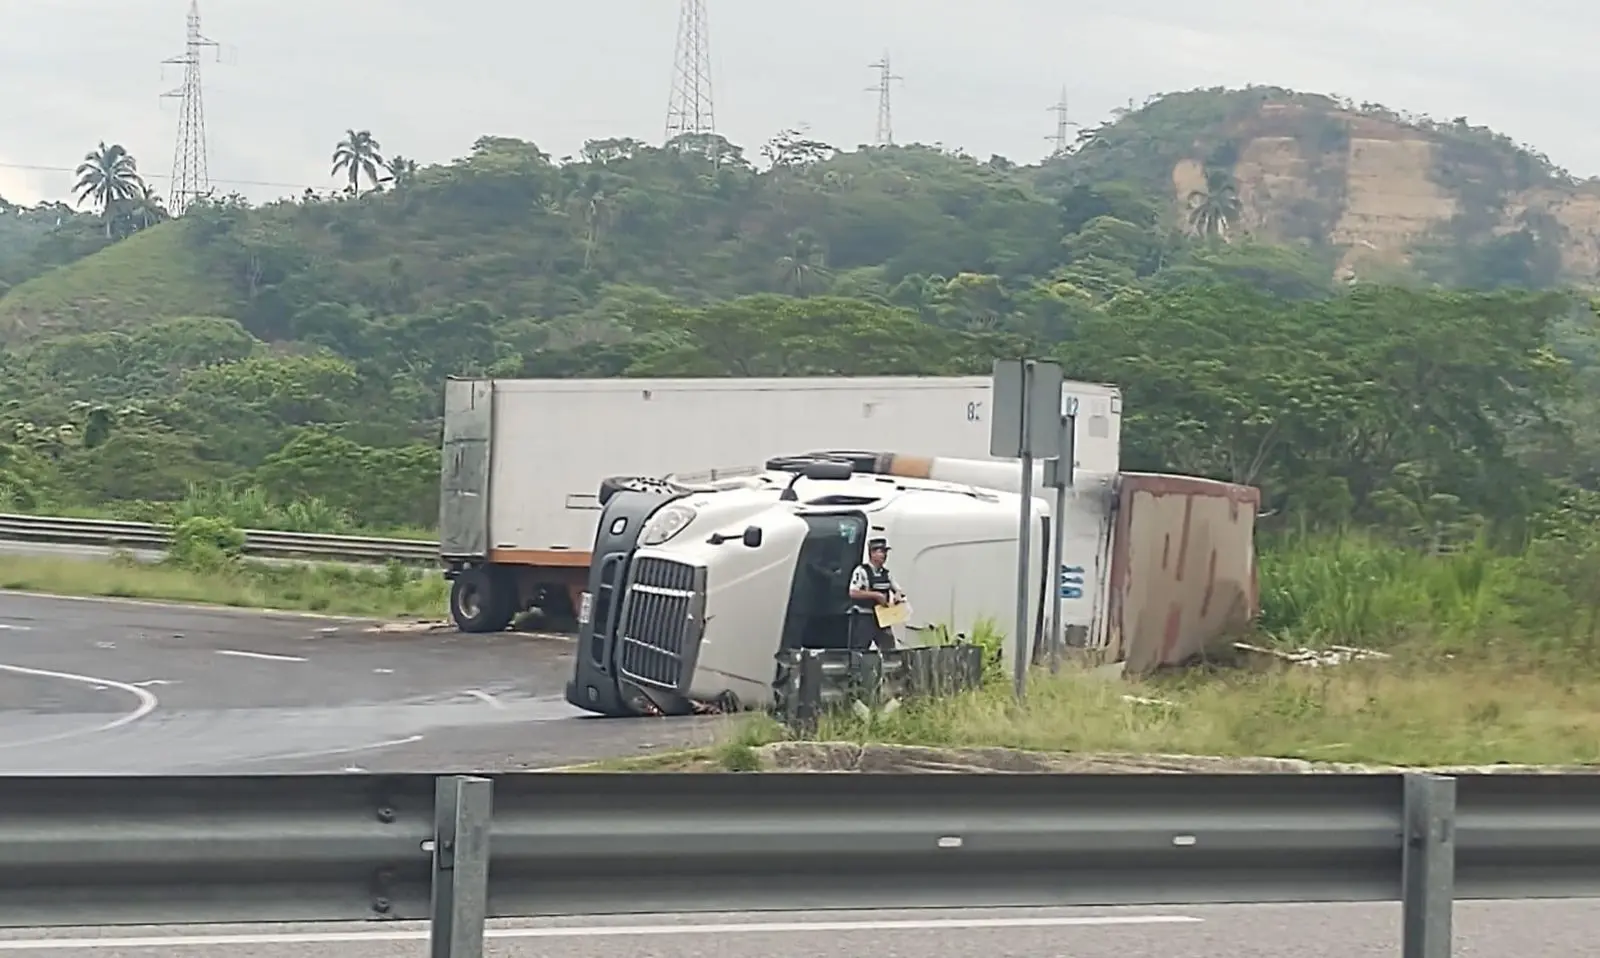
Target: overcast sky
[429, 76]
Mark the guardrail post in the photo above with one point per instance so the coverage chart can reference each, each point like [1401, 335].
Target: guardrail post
[1428, 883]
[462, 813]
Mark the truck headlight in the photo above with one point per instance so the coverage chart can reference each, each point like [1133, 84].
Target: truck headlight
[666, 523]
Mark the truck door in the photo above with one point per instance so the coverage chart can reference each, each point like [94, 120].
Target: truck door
[819, 599]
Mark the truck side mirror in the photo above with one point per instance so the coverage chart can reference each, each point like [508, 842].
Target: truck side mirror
[817, 471]
[751, 537]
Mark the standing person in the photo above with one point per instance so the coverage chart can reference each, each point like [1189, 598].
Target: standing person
[872, 585]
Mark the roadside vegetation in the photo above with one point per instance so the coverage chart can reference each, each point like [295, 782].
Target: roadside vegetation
[1486, 658]
[205, 566]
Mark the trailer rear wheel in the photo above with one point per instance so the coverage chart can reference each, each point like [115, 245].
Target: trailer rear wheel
[482, 601]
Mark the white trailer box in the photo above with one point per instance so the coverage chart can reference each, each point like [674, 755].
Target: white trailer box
[523, 460]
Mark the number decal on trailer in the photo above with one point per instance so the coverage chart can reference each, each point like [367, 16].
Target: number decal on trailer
[974, 412]
[1072, 582]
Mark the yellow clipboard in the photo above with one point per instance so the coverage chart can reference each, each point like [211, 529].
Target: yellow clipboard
[888, 615]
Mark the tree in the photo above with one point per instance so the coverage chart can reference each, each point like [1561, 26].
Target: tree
[358, 156]
[139, 212]
[792, 149]
[1216, 209]
[803, 265]
[401, 171]
[108, 177]
[1333, 406]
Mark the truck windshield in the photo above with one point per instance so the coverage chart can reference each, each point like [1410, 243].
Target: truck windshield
[819, 600]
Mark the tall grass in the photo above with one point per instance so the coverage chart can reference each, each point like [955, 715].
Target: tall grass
[1493, 657]
[1356, 590]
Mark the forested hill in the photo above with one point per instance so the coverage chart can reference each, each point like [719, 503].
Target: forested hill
[1224, 256]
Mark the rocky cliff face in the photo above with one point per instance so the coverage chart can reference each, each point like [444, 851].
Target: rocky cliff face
[1377, 188]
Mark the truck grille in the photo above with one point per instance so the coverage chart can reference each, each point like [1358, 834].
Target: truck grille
[660, 622]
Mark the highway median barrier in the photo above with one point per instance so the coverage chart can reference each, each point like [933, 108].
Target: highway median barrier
[261, 543]
[458, 850]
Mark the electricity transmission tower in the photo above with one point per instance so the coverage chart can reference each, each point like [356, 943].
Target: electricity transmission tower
[1063, 134]
[884, 88]
[689, 109]
[190, 177]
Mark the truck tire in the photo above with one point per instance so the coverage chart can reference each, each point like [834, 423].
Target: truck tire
[481, 601]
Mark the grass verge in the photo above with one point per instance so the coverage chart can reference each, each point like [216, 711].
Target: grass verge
[1493, 658]
[1401, 711]
[387, 592]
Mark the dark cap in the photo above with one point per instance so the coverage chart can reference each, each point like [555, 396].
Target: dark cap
[874, 545]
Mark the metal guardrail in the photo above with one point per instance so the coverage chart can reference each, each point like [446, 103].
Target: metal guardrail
[459, 850]
[811, 682]
[265, 543]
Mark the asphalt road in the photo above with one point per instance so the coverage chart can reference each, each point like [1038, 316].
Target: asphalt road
[1555, 929]
[95, 686]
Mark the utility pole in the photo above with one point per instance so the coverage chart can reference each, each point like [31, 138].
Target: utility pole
[689, 107]
[884, 88]
[190, 177]
[1063, 134]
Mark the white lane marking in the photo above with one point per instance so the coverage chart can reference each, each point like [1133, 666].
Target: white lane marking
[8, 627]
[599, 931]
[264, 656]
[147, 683]
[485, 698]
[319, 753]
[146, 699]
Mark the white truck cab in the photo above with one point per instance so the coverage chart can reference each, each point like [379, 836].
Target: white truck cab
[695, 591]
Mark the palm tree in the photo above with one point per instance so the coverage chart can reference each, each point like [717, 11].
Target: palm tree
[402, 170]
[596, 209]
[146, 209]
[108, 177]
[803, 264]
[358, 156]
[1213, 211]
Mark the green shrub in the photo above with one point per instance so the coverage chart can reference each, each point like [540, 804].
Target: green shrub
[204, 543]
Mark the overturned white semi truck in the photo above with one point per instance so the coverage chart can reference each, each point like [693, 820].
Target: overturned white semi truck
[696, 586]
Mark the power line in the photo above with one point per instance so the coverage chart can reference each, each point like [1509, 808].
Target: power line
[37, 168]
[884, 88]
[689, 106]
[191, 178]
[1063, 135]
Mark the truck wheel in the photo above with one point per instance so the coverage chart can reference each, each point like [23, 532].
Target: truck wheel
[481, 601]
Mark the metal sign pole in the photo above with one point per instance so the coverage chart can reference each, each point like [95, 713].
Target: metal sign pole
[1019, 676]
[1026, 400]
[1058, 475]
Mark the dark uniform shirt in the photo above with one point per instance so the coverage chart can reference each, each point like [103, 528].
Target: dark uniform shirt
[865, 631]
[868, 579]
